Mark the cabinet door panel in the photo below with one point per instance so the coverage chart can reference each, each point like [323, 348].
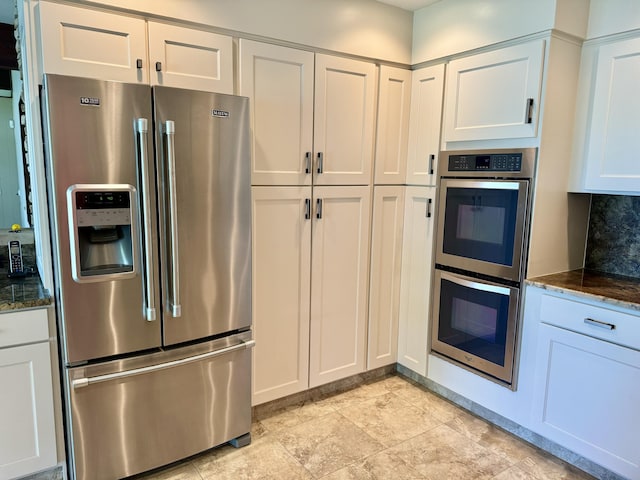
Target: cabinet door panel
[386, 259]
[186, 58]
[344, 120]
[394, 99]
[27, 436]
[586, 398]
[339, 279]
[488, 94]
[415, 291]
[279, 82]
[613, 140]
[86, 43]
[424, 130]
[280, 293]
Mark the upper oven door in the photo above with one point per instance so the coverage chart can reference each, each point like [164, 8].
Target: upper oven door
[481, 225]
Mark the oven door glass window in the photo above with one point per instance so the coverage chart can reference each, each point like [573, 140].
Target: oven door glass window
[483, 221]
[478, 319]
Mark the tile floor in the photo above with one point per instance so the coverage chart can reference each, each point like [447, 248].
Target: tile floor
[385, 429]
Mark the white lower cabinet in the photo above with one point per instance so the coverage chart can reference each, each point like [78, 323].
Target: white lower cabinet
[587, 392]
[415, 290]
[27, 428]
[309, 304]
[384, 283]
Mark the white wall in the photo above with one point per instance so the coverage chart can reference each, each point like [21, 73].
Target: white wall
[357, 27]
[453, 26]
[613, 16]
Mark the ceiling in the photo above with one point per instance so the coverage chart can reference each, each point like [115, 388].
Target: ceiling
[409, 4]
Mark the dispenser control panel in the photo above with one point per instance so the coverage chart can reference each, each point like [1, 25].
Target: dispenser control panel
[103, 208]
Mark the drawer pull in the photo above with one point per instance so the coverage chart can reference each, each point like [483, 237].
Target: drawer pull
[598, 323]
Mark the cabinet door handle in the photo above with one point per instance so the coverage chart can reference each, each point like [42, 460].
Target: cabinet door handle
[319, 208]
[307, 208]
[307, 162]
[599, 324]
[320, 162]
[158, 66]
[138, 63]
[429, 201]
[432, 159]
[529, 110]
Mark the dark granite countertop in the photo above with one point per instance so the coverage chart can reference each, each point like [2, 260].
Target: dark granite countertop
[608, 288]
[25, 292]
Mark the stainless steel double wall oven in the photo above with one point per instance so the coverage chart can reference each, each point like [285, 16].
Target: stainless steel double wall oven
[481, 244]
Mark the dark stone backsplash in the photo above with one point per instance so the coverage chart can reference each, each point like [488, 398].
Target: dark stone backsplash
[613, 242]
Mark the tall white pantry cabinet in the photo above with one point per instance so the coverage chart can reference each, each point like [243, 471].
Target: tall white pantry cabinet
[311, 172]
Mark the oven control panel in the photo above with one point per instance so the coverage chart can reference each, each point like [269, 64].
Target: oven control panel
[499, 162]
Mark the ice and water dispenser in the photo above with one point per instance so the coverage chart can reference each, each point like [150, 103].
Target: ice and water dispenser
[103, 232]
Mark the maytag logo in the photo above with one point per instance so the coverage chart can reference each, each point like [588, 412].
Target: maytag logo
[92, 101]
[219, 113]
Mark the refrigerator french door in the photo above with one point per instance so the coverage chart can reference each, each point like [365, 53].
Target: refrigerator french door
[150, 214]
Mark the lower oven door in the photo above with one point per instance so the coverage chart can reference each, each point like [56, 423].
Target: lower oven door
[133, 415]
[474, 323]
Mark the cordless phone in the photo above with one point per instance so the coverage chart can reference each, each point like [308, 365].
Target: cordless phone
[15, 257]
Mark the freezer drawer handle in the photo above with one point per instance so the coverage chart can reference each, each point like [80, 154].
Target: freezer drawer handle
[142, 127]
[85, 382]
[174, 303]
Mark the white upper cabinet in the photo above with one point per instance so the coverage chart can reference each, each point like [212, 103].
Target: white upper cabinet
[279, 83]
[186, 58]
[612, 137]
[494, 95]
[82, 42]
[384, 283]
[344, 120]
[424, 130]
[394, 97]
[86, 43]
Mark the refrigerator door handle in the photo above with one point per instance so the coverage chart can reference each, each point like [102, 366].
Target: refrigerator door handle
[174, 302]
[142, 127]
[86, 381]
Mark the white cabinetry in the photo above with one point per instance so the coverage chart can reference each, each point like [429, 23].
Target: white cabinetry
[344, 120]
[281, 262]
[415, 291]
[384, 286]
[394, 97]
[610, 136]
[339, 280]
[587, 382]
[494, 95]
[27, 435]
[108, 46]
[424, 130]
[279, 82]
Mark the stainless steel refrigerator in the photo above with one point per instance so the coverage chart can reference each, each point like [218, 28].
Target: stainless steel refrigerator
[149, 192]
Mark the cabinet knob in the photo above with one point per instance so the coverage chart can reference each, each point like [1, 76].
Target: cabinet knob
[158, 66]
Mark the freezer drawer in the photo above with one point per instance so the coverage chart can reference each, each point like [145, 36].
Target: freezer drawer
[133, 415]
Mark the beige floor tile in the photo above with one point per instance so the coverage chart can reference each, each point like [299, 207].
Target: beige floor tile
[294, 415]
[186, 471]
[491, 437]
[381, 466]
[545, 467]
[515, 473]
[390, 419]
[263, 459]
[439, 408]
[442, 453]
[328, 444]
[355, 396]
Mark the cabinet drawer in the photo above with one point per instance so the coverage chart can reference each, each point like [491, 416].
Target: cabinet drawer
[28, 326]
[612, 326]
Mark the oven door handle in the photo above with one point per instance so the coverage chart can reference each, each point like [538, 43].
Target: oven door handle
[485, 287]
[485, 184]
